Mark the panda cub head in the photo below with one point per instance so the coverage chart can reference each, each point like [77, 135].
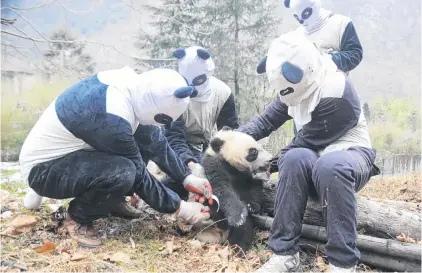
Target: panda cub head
[240, 151]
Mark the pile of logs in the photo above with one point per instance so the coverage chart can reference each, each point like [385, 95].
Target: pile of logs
[384, 221]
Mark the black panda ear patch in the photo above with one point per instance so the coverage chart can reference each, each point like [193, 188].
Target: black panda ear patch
[287, 3]
[179, 53]
[226, 128]
[261, 67]
[216, 144]
[203, 54]
[184, 92]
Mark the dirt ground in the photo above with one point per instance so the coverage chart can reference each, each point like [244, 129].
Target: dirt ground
[153, 243]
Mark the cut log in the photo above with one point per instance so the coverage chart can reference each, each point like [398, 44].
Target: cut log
[404, 205]
[391, 248]
[374, 217]
[372, 259]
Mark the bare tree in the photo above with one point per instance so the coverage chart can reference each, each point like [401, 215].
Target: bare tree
[67, 55]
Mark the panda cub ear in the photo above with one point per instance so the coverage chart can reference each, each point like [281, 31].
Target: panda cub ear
[216, 144]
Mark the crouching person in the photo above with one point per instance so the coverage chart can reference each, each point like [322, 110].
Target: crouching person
[86, 146]
[211, 107]
[330, 156]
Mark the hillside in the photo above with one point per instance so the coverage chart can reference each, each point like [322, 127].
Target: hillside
[390, 34]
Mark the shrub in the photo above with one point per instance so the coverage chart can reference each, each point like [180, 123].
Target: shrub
[19, 112]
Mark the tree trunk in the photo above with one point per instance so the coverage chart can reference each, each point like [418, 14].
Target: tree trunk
[236, 43]
[376, 218]
[371, 258]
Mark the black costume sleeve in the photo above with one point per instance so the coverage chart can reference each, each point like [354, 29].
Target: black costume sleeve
[152, 138]
[273, 117]
[177, 140]
[351, 53]
[228, 115]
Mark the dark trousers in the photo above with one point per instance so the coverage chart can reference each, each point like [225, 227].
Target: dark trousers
[333, 178]
[97, 181]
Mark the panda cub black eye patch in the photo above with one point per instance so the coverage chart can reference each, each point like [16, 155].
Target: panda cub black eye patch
[252, 155]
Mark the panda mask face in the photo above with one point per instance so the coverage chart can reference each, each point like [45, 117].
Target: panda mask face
[241, 151]
[294, 68]
[159, 96]
[308, 13]
[196, 66]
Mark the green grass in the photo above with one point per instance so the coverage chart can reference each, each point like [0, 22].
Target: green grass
[8, 172]
[13, 187]
[19, 112]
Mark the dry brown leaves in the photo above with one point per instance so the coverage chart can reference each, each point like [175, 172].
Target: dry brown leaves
[21, 224]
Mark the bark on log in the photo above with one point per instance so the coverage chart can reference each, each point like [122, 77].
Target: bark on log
[372, 259]
[381, 219]
[408, 206]
[374, 217]
[391, 248]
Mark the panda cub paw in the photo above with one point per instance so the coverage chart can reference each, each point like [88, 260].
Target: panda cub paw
[237, 220]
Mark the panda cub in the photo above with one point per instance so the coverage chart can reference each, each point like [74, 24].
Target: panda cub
[231, 163]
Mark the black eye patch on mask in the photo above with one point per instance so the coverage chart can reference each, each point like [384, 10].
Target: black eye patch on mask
[286, 91]
[163, 119]
[198, 80]
[306, 13]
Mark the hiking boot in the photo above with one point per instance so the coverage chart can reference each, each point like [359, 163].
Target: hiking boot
[337, 269]
[125, 210]
[85, 235]
[281, 263]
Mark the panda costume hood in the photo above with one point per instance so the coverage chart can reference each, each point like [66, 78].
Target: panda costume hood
[308, 13]
[197, 67]
[157, 97]
[298, 73]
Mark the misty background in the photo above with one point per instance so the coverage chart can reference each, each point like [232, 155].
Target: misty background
[48, 45]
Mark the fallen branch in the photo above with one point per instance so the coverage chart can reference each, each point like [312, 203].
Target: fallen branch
[371, 216]
[372, 259]
[391, 248]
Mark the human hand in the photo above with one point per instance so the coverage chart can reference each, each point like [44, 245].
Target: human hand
[200, 186]
[193, 212]
[197, 169]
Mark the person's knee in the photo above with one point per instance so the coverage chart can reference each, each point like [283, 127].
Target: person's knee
[332, 170]
[296, 158]
[123, 174]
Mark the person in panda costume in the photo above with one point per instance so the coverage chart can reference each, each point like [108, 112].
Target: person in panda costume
[334, 34]
[212, 106]
[88, 145]
[330, 157]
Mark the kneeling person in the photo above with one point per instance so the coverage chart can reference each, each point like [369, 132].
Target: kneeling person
[87, 144]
